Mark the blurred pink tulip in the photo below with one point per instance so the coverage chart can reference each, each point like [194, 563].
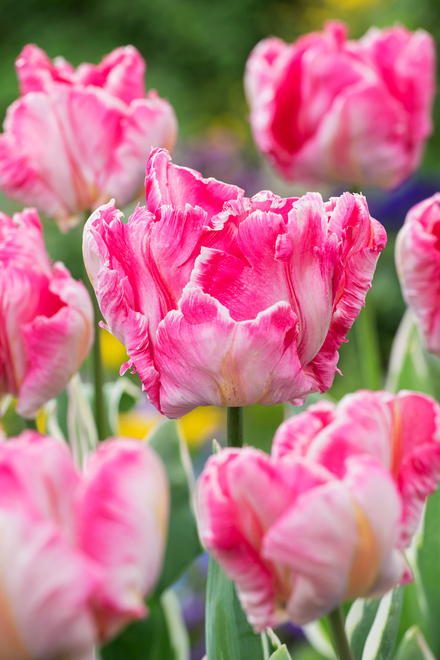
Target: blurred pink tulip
[46, 317]
[418, 267]
[78, 552]
[230, 301]
[326, 518]
[77, 138]
[326, 109]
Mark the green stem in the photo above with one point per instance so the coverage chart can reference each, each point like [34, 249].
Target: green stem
[98, 372]
[235, 427]
[30, 424]
[340, 641]
[368, 348]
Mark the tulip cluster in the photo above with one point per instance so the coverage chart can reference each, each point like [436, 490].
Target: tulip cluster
[79, 552]
[327, 516]
[77, 138]
[201, 261]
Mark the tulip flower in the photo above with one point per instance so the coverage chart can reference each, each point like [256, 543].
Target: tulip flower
[328, 109]
[46, 317]
[79, 552]
[418, 267]
[327, 516]
[77, 138]
[228, 301]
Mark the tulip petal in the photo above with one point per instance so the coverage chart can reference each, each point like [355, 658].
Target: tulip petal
[122, 518]
[250, 362]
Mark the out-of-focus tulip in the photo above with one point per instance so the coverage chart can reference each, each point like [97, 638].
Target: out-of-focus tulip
[418, 267]
[326, 109]
[46, 317]
[78, 552]
[326, 518]
[77, 138]
[228, 301]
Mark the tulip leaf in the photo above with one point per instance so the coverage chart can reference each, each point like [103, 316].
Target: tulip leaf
[318, 635]
[427, 570]
[358, 623]
[410, 366]
[183, 544]
[281, 654]
[414, 647]
[161, 635]
[381, 639]
[229, 636]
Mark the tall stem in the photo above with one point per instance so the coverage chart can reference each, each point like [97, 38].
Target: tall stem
[340, 641]
[368, 348]
[235, 427]
[98, 372]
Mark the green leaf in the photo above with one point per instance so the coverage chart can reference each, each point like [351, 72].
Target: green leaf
[381, 639]
[120, 396]
[228, 633]
[318, 635]
[427, 572]
[358, 623]
[157, 637]
[414, 647]
[281, 654]
[183, 544]
[410, 366]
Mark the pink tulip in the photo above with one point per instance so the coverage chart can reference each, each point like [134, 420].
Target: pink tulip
[327, 516]
[74, 570]
[326, 109]
[46, 317]
[418, 266]
[77, 138]
[230, 301]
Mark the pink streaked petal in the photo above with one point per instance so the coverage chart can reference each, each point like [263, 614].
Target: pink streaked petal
[38, 478]
[222, 535]
[36, 72]
[168, 184]
[319, 555]
[122, 518]
[294, 435]
[46, 591]
[121, 73]
[149, 123]
[418, 266]
[57, 345]
[250, 362]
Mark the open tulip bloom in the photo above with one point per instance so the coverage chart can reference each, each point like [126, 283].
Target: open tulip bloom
[224, 300]
[79, 551]
[327, 516]
[328, 109]
[77, 138]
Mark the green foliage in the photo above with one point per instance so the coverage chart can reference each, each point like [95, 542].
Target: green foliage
[281, 654]
[359, 622]
[228, 634]
[183, 544]
[161, 635]
[414, 647]
[381, 640]
[427, 572]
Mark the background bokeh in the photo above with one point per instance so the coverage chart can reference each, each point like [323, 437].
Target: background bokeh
[196, 52]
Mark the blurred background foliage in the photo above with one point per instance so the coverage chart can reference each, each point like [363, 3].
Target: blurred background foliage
[196, 52]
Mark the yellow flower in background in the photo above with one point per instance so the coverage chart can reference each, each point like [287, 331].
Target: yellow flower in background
[112, 351]
[201, 424]
[197, 427]
[136, 423]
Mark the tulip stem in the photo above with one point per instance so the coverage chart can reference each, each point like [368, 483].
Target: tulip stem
[368, 348]
[235, 427]
[340, 641]
[98, 372]
[31, 424]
